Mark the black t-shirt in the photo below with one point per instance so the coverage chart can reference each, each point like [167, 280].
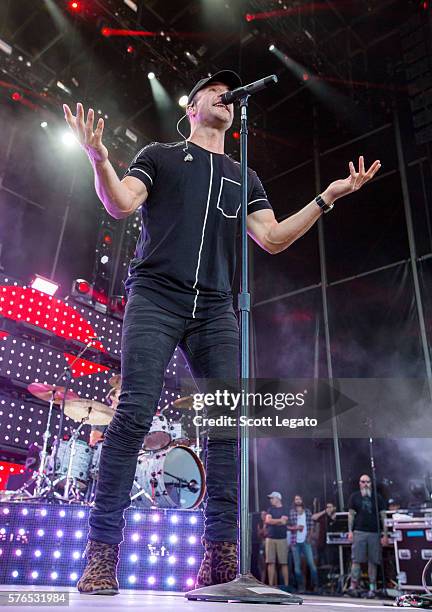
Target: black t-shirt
[365, 518]
[326, 523]
[186, 252]
[277, 532]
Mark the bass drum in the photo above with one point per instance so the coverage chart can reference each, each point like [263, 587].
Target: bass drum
[173, 478]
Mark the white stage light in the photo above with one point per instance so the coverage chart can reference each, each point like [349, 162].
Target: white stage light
[68, 139]
[44, 285]
[183, 101]
[151, 75]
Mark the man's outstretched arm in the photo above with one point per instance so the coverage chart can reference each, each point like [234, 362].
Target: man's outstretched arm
[275, 237]
[119, 197]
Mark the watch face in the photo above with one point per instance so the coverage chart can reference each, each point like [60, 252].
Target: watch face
[320, 202]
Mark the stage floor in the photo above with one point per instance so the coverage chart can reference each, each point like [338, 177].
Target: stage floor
[165, 602]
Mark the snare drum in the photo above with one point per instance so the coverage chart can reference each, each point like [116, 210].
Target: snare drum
[158, 437]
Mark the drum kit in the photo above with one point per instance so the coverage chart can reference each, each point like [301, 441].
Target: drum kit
[169, 473]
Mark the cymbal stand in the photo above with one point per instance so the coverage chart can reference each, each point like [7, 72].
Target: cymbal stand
[41, 477]
[44, 487]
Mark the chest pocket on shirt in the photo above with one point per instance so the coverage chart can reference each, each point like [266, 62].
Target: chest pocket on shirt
[229, 198]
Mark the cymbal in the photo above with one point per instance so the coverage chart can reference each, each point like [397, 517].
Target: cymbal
[44, 392]
[184, 402]
[115, 381]
[99, 414]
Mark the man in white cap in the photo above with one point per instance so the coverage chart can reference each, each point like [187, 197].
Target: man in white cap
[276, 549]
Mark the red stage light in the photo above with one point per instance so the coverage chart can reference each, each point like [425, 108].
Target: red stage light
[7, 469]
[83, 286]
[16, 96]
[74, 6]
[130, 49]
[236, 135]
[105, 31]
[249, 17]
[305, 77]
[18, 304]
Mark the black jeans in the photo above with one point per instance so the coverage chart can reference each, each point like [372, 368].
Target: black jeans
[150, 336]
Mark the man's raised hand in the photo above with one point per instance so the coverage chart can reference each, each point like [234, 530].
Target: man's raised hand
[89, 138]
[353, 182]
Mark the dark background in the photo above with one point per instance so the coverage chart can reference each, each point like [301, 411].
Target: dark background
[362, 84]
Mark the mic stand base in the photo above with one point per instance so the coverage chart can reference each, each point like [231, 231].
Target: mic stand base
[244, 588]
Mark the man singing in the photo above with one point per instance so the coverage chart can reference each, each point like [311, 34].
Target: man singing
[179, 294]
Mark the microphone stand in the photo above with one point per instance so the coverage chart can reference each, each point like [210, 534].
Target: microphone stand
[376, 509]
[245, 587]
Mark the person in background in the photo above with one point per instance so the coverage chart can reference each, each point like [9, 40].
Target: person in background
[393, 505]
[325, 519]
[300, 527]
[364, 533]
[97, 432]
[276, 546]
[261, 536]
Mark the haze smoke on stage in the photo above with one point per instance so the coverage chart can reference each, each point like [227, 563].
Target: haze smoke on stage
[325, 93]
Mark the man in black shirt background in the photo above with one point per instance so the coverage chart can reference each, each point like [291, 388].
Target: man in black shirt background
[325, 520]
[179, 288]
[364, 532]
[276, 545]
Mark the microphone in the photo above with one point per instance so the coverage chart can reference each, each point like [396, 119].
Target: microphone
[231, 96]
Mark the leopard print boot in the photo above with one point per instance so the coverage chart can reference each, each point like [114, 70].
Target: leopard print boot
[223, 562]
[99, 577]
[219, 564]
[204, 574]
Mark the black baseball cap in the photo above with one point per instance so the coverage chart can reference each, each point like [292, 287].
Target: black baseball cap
[227, 77]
